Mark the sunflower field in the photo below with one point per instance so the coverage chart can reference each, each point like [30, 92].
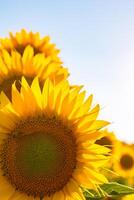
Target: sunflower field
[53, 146]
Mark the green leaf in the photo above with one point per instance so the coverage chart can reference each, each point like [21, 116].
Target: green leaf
[112, 190]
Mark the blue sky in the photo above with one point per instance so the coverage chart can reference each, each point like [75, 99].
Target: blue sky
[96, 39]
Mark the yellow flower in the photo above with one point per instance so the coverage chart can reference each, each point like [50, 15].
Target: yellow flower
[14, 66]
[21, 39]
[47, 139]
[108, 140]
[124, 160]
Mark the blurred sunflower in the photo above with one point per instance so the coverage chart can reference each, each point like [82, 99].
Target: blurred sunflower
[47, 141]
[124, 161]
[22, 39]
[13, 66]
[131, 179]
[108, 140]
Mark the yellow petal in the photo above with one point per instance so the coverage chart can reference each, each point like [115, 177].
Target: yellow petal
[51, 97]
[37, 91]
[84, 122]
[40, 64]
[62, 73]
[3, 68]
[99, 149]
[75, 91]
[87, 136]
[63, 92]
[19, 38]
[98, 124]
[65, 104]
[75, 100]
[17, 100]
[96, 164]
[29, 100]
[45, 94]
[74, 190]
[66, 109]
[3, 100]
[51, 68]
[7, 59]
[6, 190]
[27, 60]
[13, 41]
[85, 127]
[97, 177]
[20, 196]
[84, 108]
[83, 157]
[82, 178]
[48, 198]
[16, 61]
[58, 195]
[7, 121]
[77, 106]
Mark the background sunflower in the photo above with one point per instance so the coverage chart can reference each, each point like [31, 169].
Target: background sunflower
[110, 141]
[14, 66]
[22, 39]
[124, 160]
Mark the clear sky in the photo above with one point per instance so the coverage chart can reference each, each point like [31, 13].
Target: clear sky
[96, 38]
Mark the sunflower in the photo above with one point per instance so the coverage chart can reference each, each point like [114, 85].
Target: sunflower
[13, 66]
[47, 143]
[22, 39]
[124, 160]
[109, 140]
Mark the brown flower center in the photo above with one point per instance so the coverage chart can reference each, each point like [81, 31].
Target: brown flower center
[21, 47]
[6, 85]
[127, 161]
[39, 156]
[105, 141]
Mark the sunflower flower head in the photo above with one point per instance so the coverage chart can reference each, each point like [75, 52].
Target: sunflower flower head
[13, 66]
[47, 142]
[110, 141]
[22, 39]
[124, 160]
